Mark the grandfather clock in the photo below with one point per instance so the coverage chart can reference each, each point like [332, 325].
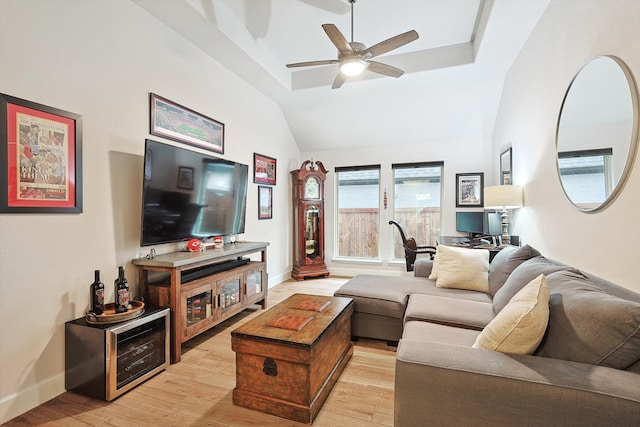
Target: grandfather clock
[308, 220]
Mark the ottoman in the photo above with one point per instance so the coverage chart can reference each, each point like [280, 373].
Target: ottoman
[379, 303]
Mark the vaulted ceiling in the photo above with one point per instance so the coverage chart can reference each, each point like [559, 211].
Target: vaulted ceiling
[453, 77]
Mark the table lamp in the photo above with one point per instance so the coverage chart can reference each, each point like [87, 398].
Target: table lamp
[503, 197]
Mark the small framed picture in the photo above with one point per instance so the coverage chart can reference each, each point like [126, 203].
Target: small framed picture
[185, 178]
[264, 169]
[265, 202]
[469, 190]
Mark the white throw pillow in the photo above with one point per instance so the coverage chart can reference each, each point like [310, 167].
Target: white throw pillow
[520, 325]
[462, 268]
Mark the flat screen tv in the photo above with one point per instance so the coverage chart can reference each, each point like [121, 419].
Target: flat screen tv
[188, 194]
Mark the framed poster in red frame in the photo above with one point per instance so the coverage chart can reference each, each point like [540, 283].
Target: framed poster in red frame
[264, 169]
[40, 158]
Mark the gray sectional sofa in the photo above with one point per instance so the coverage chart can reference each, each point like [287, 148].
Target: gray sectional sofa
[585, 371]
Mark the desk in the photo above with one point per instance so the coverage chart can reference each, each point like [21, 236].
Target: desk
[473, 244]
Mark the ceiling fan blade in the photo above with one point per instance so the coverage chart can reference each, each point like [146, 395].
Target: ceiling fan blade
[387, 70]
[392, 43]
[312, 63]
[340, 79]
[337, 38]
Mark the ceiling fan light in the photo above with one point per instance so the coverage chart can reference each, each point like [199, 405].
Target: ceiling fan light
[353, 67]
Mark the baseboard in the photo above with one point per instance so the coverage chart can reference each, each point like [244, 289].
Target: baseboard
[351, 271]
[276, 280]
[18, 403]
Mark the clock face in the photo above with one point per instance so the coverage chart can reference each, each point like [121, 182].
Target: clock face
[311, 189]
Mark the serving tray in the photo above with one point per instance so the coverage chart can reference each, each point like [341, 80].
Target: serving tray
[110, 315]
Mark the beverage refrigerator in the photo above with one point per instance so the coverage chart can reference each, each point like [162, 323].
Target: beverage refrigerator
[106, 360]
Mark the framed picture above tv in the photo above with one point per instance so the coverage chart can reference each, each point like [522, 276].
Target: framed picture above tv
[173, 121]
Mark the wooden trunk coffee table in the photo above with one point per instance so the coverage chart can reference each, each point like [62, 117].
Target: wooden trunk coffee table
[289, 358]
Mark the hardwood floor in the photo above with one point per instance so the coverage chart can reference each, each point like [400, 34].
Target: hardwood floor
[197, 391]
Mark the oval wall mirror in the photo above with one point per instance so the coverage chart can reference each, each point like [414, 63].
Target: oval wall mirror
[597, 133]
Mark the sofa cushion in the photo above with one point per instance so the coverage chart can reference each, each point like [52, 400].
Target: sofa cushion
[635, 367]
[519, 327]
[523, 274]
[505, 262]
[435, 333]
[462, 268]
[425, 286]
[423, 267]
[380, 295]
[588, 325]
[449, 311]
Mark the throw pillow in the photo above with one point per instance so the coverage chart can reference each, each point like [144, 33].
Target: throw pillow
[523, 274]
[588, 325]
[505, 262]
[463, 268]
[520, 326]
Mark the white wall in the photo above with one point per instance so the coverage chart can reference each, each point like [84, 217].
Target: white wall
[569, 33]
[101, 59]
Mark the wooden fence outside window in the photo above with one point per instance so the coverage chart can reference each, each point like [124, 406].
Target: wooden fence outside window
[358, 230]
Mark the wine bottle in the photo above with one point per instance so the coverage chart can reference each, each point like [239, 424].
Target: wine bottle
[121, 292]
[97, 294]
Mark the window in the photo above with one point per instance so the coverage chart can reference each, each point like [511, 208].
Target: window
[416, 203]
[586, 175]
[358, 225]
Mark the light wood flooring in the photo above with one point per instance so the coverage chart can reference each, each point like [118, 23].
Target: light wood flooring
[197, 391]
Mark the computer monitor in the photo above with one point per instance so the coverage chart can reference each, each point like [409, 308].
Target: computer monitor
[471, 223]
[476, 224]
[494, 224]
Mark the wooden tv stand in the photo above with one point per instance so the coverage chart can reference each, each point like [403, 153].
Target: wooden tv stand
[199, 304]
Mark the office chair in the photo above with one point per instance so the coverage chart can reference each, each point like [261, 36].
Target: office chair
[411, 248]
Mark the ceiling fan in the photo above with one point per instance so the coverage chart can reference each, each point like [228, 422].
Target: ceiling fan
[355, 57]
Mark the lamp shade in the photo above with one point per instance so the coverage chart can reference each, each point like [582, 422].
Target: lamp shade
[503, 196]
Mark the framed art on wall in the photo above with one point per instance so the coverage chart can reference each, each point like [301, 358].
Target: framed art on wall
[469, 190]
[264, 169]
[173, 121]
[265, 202]
[505, 167]
[40, 158]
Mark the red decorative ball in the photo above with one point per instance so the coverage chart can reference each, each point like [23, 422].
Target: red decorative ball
[194, 245]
